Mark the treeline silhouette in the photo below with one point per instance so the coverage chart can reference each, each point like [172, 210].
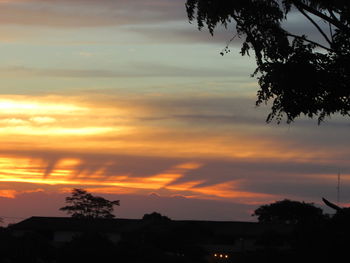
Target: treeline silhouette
[308, 235]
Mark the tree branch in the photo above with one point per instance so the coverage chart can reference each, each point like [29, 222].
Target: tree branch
[331, 205]
[331, 31]
[315, 24]
[332, 15]
[311, 10]
[310, 41]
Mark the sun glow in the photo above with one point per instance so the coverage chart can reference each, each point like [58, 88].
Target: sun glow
[49, 117]
[28, 108]
[54, 142]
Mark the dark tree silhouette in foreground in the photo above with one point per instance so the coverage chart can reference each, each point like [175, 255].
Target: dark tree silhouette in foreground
[289, 212]
[82, 204]
[309, 238]
[342, 215]
[302, 76]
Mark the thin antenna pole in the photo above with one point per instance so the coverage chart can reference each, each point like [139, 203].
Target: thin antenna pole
[338, 190]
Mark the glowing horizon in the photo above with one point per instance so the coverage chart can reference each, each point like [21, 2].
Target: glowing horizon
[56, 121]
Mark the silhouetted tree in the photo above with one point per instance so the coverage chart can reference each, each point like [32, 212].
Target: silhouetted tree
[84, 205]
[157, 217]
[302, 76]
[289, 212]
[338, 232]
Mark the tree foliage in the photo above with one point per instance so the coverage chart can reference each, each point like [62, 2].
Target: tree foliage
[302, 76]
[155, 217]
[289, 212]
[82, 204]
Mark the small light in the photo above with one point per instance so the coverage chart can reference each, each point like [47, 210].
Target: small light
[215, 255]
[226, 256]
[221, 255]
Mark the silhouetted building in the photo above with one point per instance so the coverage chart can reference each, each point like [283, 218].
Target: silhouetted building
[219, 240]
[63, 229]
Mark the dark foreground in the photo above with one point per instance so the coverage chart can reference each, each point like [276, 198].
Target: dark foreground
[40, 239]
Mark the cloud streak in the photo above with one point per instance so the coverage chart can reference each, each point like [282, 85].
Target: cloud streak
[88, 13]
[150, 70]
[143, 147]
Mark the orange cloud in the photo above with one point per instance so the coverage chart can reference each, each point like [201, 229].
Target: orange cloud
[22, 170]
[8, 193]
[26, 171]
[44, 140]
[79, 124]
[228, 190]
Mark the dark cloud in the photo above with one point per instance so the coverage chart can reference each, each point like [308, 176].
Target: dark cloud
[223, 112]
[186, 208]
[149, 18]
[185, 33]
[264, 175]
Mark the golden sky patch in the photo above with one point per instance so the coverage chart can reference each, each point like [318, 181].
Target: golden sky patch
[52, 126]
[36, 123]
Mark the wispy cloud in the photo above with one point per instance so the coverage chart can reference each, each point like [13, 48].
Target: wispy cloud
[129, 71]
[88, 13]
[140, 146]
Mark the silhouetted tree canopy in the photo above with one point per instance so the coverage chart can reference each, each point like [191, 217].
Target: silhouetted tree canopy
[155, 217]
[82, 204]
[289, 212]
[301, 75]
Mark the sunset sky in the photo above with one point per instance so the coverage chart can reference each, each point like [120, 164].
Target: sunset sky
[130, 101]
